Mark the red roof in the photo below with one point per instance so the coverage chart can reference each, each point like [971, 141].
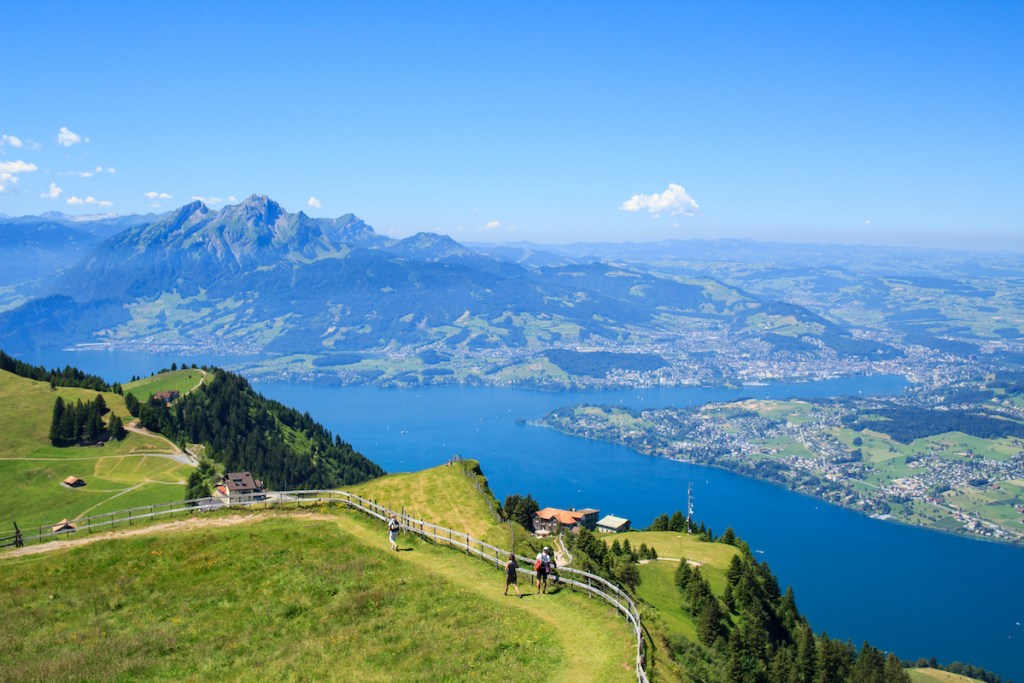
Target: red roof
[567, 517]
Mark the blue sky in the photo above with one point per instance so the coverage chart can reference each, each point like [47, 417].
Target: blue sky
[864, 122]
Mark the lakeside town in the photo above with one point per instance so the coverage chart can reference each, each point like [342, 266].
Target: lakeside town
[947, 480]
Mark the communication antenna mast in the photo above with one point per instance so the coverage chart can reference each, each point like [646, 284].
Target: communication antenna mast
[689, 507]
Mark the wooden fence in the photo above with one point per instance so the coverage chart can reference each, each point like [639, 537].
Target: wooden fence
[575, 579]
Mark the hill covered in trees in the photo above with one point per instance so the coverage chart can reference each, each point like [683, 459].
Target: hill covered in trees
[245, 431]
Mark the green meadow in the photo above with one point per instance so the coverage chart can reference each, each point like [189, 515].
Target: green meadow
[182, 381]
[118, 474]
[294, 595]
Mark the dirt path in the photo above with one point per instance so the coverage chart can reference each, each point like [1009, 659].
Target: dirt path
[179, 525]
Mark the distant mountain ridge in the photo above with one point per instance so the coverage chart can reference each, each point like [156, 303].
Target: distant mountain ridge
[252, 277]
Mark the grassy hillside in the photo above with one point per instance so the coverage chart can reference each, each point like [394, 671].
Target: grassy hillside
[297, 596]
[119, 474]
[447, 495]
[182, 381]
[937, 676]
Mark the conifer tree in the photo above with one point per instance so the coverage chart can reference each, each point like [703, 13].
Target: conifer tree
[56, 433]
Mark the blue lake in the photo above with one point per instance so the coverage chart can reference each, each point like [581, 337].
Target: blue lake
[904, 589]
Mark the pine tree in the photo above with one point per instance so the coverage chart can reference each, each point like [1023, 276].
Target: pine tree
[56, 435]
[116, 427]
[677, 522]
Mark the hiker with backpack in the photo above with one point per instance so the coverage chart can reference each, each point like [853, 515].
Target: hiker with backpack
[542, 566]
[393, 529]
[511, 578]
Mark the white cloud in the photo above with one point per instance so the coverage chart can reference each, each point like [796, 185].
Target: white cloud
[207, 200]
[17, 167]
[492, 225]
[67, 138]
[89, 200]
[111, 169]
[315, 203]
[9, 171]
[158, 195]
[10, 140]
[674, 200]
[867, 221]
[232, 198]
[52, 193]
[89, 174]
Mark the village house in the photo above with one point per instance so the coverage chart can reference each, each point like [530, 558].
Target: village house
[610, 524]
[166, 396]
[547, 521]
[240, 486]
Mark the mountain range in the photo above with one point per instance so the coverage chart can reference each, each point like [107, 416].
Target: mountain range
[333, 297]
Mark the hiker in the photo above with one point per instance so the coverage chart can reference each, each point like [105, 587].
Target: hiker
[541, 566]
[511, 579]
[393, 528]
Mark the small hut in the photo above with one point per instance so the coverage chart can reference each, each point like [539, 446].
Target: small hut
[64, 527]
[74, 482]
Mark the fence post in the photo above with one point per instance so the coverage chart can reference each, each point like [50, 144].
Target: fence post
[467, 544]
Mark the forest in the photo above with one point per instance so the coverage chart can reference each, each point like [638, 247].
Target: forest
[68, 377]
[245, 431]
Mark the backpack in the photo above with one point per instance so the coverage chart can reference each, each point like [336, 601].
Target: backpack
[393, 525]
[536, 565]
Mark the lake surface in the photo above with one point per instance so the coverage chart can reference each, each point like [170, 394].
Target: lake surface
[909, 590]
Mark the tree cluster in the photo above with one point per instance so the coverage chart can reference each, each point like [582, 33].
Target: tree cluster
[68, 377]
[200, 480]
[677, 522]
[521, 509]
[906, 423]
[245, 431]
[641, 553]
[969, 670]
[82, 423]
[755, 634]
[593, 555]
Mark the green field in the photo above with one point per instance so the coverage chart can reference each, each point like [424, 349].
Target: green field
[118, 474]
[292, 596]
[181, 381]
[937, 676]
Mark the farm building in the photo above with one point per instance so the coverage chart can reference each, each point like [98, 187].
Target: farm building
[166, 396]
[238, 486]
[74, 482]
[610, 524]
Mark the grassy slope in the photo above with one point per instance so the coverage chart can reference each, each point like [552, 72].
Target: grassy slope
[181, 381]
[302, 596]
[937, 676]
[118, 474]
[443, 495]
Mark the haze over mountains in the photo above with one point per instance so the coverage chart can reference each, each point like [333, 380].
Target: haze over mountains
[333, 297]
